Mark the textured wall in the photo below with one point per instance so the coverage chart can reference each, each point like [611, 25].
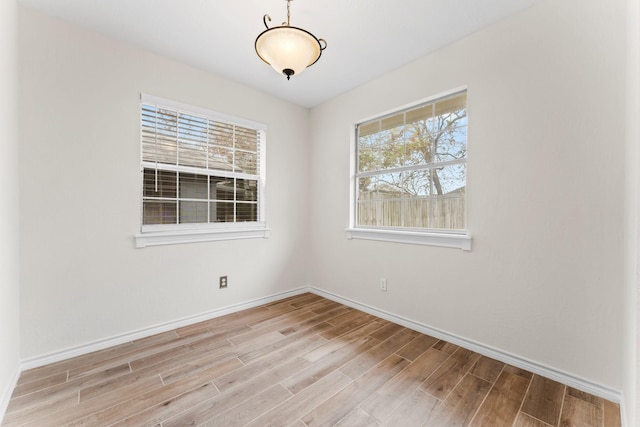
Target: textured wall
[82, 278]
[9, 242]
[544, 281]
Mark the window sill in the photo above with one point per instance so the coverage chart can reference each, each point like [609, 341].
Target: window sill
[158, 238]
[449, 240]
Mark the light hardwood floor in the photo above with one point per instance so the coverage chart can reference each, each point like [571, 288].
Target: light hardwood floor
[301, 361]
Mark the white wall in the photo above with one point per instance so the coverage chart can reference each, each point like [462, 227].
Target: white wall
[82, 278]
[546, 141]
[632, 220]
[9, 243]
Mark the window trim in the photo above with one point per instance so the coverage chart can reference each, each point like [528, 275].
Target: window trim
[448, 240]
[167, 234]
[460, 239]
[193, 235]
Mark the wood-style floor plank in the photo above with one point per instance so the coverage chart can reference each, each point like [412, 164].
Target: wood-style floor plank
[447, 376]
[299, 362]
[283, 320]
[138, 359]
[39, 384]
[461, 404]
[101, 355]
[334, 345]
[517, 371]
[288, 343]
[383, 401]
[388, 331]
[43, 402]
[417, 346]
[611, 414]
[342, 327]
[445, 347]
[170, 407]
[544, 400]
[152, 398]
[503, 402]
[299, 404]
[372, 357]
[329, 362]
[252, 370]
[358, 418]
[488, 369]
[208, 410]
[413, 411]
[63, 416]
[525, 420]
[339, 405]
[250, 409]
[580, 413]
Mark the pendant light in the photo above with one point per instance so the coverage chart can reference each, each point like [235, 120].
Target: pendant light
[289, 50]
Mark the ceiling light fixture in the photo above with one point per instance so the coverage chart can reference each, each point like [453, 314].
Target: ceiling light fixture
[289, 50]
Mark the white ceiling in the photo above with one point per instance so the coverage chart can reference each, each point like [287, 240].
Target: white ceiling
[365, 38]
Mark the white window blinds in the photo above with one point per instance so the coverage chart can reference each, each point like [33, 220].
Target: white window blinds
[198, 168]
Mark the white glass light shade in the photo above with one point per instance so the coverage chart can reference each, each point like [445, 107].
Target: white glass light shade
[289, 50]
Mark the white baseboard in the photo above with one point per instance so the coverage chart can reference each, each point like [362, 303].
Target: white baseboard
[6, 396]
[625, 422]
[80, 350]
[511, 359]
[485, 350]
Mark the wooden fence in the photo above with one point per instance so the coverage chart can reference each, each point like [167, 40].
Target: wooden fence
[388, 210]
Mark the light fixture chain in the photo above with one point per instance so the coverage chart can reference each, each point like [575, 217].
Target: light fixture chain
[288, 13]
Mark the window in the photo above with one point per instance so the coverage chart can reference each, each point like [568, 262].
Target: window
[410, 174]
[202, 175]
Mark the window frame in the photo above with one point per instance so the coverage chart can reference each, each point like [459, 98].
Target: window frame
[164, 234]
[460, 239]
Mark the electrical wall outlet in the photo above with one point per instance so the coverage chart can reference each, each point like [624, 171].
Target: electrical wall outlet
[223, 282]
[383, 284]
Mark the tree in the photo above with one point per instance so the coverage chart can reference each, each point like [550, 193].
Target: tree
[426, 142]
